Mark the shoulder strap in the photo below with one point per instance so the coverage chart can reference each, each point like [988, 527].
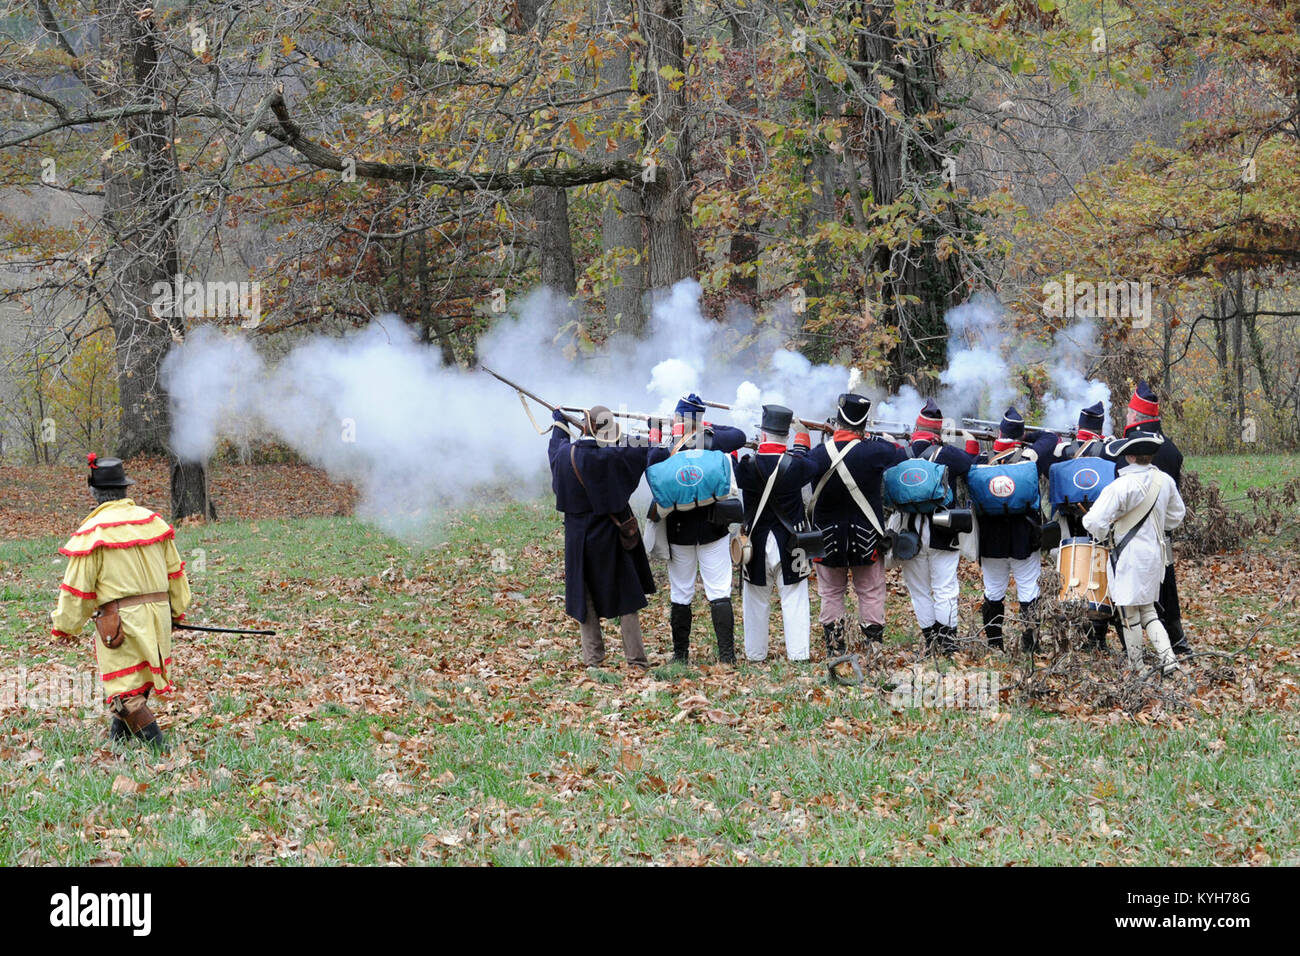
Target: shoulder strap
[1129, 523]
[838, 467]
[767, 490]
[573, 462]
[932, 453]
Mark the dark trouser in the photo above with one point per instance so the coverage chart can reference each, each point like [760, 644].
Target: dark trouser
[1170, 614]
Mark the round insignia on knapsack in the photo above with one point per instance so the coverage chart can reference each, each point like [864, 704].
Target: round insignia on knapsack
[1002, 486]
[913, 476]
[1085, 479]
[689, 475]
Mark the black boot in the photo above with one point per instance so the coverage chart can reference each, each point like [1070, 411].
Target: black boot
[835, 644]
[152, 735]
[947, 635]
[992, 613]
[1177, 639]
[680, 619]
[1029, 618]
[1097, 634]
[931, 635]
[117, 730]
[872, 632]
[142, 724]
[724, 626]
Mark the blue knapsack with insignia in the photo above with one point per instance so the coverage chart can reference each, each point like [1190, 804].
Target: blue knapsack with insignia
[691, 479]
[1078, 481]
[918, 486]
[1004, 489]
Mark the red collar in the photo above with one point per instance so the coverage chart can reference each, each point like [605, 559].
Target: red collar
[920, 435]
[843, 434]
[1085, 435]
[1005, 444]
[771, 448]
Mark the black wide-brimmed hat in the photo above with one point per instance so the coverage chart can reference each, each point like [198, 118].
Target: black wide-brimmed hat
[107, 472]
[853, 409]
[776, 419]
[1135, 443]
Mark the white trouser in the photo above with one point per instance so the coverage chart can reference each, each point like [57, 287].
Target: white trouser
[998, 573]
[931, 579]
[713, 561]
[757, 607]
[1138, 618]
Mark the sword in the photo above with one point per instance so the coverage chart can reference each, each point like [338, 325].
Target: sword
[176, 626]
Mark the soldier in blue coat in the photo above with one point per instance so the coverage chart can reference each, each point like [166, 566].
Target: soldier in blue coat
[852, 535]
[606, 571]
[931, 576]
[1009, 544]
[1144, 415]
[1088, 442]
[698, 539]
[771, 535]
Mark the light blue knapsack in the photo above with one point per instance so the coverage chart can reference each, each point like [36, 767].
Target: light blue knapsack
[918, 485]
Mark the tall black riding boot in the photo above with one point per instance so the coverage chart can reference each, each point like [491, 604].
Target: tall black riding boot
[992, 612]
[931, 634]
[1029, 618]
[724, 626]
[872, 632]
[835, 643]
[680, 619]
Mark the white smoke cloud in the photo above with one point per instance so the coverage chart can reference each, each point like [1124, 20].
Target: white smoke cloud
[378, 409]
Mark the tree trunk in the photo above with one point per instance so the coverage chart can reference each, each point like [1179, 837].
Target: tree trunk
[622, 229]
[666, 199]
[899, 156]
[550, 206]
[142, 206]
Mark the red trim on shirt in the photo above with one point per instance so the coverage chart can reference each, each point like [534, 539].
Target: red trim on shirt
[116, 524]
[137, 543]
[178, 572]
[138, 667]
[771, 448]
[843, 434]
[55, 632]
[1085, 435]
[1005, 444]
[1143, 407]
[925, 436]
[81, 594]
[143, 688]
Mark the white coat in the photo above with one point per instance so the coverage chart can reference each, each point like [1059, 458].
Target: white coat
[1135, 579]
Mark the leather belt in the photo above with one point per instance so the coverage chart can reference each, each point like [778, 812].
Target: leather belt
[153, 597]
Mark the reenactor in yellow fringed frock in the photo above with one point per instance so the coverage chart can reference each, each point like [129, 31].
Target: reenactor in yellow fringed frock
[125, 573]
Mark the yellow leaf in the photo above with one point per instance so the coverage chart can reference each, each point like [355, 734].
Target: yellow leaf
[287, 44]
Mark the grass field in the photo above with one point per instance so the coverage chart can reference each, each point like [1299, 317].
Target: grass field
[428, 707]
[1237, 474]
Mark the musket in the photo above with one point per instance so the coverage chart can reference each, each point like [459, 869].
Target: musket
[177, 626]
[634, 416]
[523, 391]
[826, 427]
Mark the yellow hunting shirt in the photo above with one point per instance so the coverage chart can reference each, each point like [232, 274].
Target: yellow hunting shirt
[122, 550]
